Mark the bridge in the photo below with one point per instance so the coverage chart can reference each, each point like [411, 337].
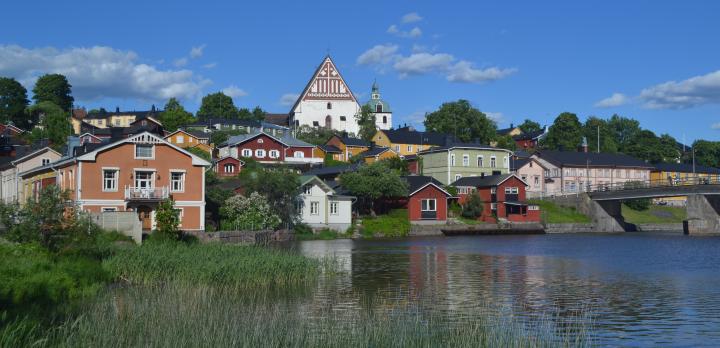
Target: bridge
[603, 202]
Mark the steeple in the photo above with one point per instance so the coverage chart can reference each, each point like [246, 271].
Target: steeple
[375, 93]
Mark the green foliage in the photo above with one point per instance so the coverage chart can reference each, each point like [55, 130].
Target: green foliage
[220, 136]
[315, 135]
[257, 114]
[302, 229]
[168, 219]
[463, 121]
[506, 142]
[608, 142]
[455, 209]
[473, 207]
[565, 133]
[54, 88]
[13, 101]
[54, 123]
[394, 224]
[215, 197]
[637, 204]
[624, 130]
[328, 161]
[452, 190]
[200, 153]
[217, 105]
[557, 214]
[655, 215]
[174, 116]
[396, 164]
[707, 153]
[248, 213]
[279, 186]
[372, 182]
[366, 120]
[529, 126]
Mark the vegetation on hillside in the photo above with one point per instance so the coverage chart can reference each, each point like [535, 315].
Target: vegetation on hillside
[393, 224]
[655, 214]
[556, 214]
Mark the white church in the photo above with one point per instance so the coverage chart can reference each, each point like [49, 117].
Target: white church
[328, 102]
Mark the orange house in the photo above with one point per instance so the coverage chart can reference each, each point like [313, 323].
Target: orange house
[348, 147]
[377, 154]
[188, 139]
[133, 174]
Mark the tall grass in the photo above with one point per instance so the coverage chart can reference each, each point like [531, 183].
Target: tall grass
[215, 264]
[205, 316]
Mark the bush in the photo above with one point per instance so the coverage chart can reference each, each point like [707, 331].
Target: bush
[394, 224]
[455, 208]
[302, 229]
[168, 220]
[473, 207]
[638, 204]
[252, 212]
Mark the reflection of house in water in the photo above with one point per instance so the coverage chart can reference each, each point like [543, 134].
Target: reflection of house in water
[340, 250]
[428, 271]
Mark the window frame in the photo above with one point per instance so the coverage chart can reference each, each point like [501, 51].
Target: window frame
[108, 209]
[152, 151]
[260, 153]
[245, 152]
[182, 180]
[425, 204]
[334, 208]
[115, 180]
[480, 161]
[315, 204]
[466, 160]
[229, 165]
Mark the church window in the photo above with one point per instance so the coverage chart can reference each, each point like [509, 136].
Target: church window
[385, 119]
[378, 107]
[328, 122]
[329, 105]
[343, 118]
[316, 124]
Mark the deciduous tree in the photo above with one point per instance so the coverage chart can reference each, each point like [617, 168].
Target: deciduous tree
[565, 133]
[54, 88]
[54, 123]
[249, 212]
[372, 182]
[217, 105]
[366, 120]
[13, 101]
[278, 185]
[174, 115]
[463, 121]
[529, 126]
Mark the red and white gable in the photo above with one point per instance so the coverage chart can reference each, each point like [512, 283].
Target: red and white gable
[328, 84]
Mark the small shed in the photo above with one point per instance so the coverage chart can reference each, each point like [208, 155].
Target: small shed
[427, 200]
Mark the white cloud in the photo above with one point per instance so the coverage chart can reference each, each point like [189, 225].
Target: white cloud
[617, 99]
[288, 99]
[233, 91]
[100, 72]
[393, 29]
[413, 33]
[411, 17]
[180, 62]
[422, 63]
[695, 91]
[197, 52]
[715, 126]
[209, 65]
[498, 117]
[463, 71]
[379, 54]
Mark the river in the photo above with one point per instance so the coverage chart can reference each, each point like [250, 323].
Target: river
[630, 289]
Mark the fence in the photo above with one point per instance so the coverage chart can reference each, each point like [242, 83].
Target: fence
[628, 185]
[124, 222]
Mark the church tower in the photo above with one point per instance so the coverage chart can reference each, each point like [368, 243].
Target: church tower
[326, 101]
[381, 109]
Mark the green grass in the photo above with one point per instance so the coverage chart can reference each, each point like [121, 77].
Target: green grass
[556, 214]
[655, 215]
[393, 224]
[324, 234]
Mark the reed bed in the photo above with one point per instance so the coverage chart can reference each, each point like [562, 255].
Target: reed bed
[223, 265]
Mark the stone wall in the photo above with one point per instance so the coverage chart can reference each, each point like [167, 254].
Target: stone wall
[660, 227]
[570, 228]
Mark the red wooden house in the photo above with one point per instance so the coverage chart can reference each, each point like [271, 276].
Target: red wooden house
[503, 197]
[427, 200]
[228, 166]
[265, 148]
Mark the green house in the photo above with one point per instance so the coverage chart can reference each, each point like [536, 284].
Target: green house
[450, 163]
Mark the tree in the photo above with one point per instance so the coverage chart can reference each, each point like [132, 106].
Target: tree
[249, 212]
[174, 116]
[54, 123]
[624, 130]
[366, 120]
[463, 121]
[217, 105]
[397, 164]
[197, 151]
[315, 136]
[215, 197]
[13, 101]
[473, 207]
[54, 88]
[669, 149]
[506, 142]
[372, 182]
[608, 143]
[645, 145]
[564, 134]
[279, 186]
[706, 153]
[258, 114]
[167, 220]
[529, 126]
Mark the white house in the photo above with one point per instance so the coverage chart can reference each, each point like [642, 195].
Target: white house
[326, 101]
[320, 206]
[10, 182]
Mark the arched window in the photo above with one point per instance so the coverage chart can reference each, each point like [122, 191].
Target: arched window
[328, 122]
[329, 105]
[378, 107]
[384, 119]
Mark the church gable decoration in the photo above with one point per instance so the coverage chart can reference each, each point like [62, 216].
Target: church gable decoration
[327, 84]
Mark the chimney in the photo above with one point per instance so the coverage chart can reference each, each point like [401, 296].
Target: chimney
[117, 109]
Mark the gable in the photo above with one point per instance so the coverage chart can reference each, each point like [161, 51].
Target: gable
[326, 84]
[261, 140]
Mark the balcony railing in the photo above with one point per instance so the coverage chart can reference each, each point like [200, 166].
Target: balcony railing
[146, 194]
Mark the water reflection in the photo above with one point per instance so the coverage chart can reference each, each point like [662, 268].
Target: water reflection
[636, 289]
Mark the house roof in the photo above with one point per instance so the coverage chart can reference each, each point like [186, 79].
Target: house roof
[348, 141]
[286, 139]
[471, 146]
[418, 182]
[229, 157]
[314, 75]
[137, 114]
[685, 168]
[518, 163]
[485, 181]
[334, 170]
[505, 131]
[278, 119]
[374, 151]
[593, 159]
[531, 135]
[329, 148]
[406, 136]
[306, 179]
[196, 134]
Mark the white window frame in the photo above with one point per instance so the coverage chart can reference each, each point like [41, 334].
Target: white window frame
[181, 214]
[247, 153]
[425, 204]
[316, 209]
[228, 165]
[466, 160]
[458, 177]
[116, 180]
[452, 160]
[45, 161]
[307, 189]
[180, 139]
[480, 161]
[493, 162]
[182, 180]
[152, 151]
[299, 154]
[409, 148]
[260, 141]
[334, 208]
[260, 153]
[274, 154]
[152, 177]
[493, 206]
[397, 148]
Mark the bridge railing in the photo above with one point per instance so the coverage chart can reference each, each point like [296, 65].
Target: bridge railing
[645, 184]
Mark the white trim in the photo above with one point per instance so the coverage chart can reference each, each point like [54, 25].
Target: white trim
[433, 184]
[116, 180]
[95, 202]
[144, 170]
[152, 150]
[182, 182]
[148, 137]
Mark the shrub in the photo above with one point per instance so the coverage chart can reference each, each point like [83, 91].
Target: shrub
[302, 229]
[168, 220]
[473, 207]
[251, 212]
[394, 224]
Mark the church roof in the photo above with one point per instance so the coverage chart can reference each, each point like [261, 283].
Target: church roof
[372, 103]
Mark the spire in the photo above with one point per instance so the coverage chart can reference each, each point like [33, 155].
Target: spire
[375, 91]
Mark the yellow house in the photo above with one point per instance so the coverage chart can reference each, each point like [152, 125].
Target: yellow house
[680, 174]
[348, 147]
[407, 141]
[325, 150]
[377, 154]
[188, 139]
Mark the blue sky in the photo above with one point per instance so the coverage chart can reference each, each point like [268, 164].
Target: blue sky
[657, 62]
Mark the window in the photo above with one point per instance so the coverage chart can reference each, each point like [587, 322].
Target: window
[307, 189]
[343, 118]
[299, 154]
[110, 180]
[452, 160]
[378, 107]
[505, 162]
[479, 161]
[428, 205]
[314, 208]
[143, 179]
[466, 160]
[45, 161]
[274, 154]
[108, 209]
[329, 106]
[409, 148]
[229, 168]
[117, 122]
[493, 206]
[144, 151]
[333, 208]
[100, 122]
[458, 177]
[316, 124]
[260, 153]
[247, 153]
[511, 190]
[493, 161]
[524, 178]
[384, 119]
[180, 139]
[493, 190]
[179, 212]
[260, 141]
[177, 181]
[397, 148]
[537, 181]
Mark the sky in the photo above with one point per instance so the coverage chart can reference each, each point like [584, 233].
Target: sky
[658, 62]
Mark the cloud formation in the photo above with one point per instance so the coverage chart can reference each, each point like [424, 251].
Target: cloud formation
[197, 52]
[422, 63]
[411, 17]
[289, 99]
[100, 72]
[233, 91]
[617, 99]
[180, 62]
[463, 71]
[413, 33]
[695, 91]
[378, 54]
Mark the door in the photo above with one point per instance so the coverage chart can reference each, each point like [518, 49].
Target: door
[145, 216]
[144, 184]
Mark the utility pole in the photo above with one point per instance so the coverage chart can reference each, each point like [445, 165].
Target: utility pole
[598, 148]
[693, 151]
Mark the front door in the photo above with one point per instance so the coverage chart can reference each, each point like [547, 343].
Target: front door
[145, 216]
[144, 183]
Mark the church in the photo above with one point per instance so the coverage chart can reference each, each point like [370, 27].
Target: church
[328, 102]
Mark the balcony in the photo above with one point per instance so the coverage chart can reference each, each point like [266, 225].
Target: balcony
[146, 194]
